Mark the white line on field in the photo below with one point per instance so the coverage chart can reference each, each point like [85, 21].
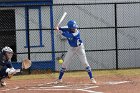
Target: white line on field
[10, 89]
[115, 82]
[51, 89]
[41, 87]
[47, 83]
[59, 86]
[89, 91]
[91, 87]
[63, 88]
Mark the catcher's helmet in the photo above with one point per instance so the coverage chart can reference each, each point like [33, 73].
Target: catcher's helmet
[6, 49]
[72, 24]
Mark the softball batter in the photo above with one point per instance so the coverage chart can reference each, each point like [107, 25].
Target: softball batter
[76, 47]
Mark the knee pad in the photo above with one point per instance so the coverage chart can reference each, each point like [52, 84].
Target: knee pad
[63, 70]
[88, 69]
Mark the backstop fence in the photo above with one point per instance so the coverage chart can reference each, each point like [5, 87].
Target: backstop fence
[110, 32]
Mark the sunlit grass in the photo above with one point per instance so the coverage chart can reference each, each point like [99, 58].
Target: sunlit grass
[35, 76]
[130, 72]
[118, 72]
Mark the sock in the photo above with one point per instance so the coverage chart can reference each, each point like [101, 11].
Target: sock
[88, 69]
[90, 74]
[61, 73]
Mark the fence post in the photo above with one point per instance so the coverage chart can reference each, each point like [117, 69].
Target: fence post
[52, 37]
[28, 34]
[116, 39]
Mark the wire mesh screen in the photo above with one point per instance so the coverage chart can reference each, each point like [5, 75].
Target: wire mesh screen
[107, 30]
[88, 18]
[110, 33]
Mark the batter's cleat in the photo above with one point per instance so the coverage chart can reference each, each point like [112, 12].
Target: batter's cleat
[3, 83]
[93, 81]
[58, 81]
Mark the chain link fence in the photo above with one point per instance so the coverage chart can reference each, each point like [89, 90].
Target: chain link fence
[110, 32]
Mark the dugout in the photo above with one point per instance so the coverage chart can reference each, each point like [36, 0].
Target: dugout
[24, 27]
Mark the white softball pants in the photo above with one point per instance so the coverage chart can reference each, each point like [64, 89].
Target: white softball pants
[80, 51]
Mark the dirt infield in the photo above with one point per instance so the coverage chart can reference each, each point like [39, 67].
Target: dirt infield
[105, 84]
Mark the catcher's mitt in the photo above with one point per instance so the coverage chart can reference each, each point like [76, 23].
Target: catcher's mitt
[26, 63]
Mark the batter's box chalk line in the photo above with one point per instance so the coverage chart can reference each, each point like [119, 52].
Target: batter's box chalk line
[116, 82]
[9, 89]
[65, 87]
[66, 84]
[60, 87]
[85, 88]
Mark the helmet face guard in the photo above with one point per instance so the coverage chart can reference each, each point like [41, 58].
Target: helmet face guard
[72, 24]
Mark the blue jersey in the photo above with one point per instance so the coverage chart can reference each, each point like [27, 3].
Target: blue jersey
[73, 38]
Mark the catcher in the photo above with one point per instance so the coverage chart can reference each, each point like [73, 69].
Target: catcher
[6, 68]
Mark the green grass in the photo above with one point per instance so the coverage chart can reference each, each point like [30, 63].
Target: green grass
[129, 72]
[34, 76]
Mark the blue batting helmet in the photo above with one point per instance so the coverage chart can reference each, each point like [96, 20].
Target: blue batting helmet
[72, 24]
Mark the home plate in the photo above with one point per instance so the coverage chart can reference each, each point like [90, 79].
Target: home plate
[116, 82]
